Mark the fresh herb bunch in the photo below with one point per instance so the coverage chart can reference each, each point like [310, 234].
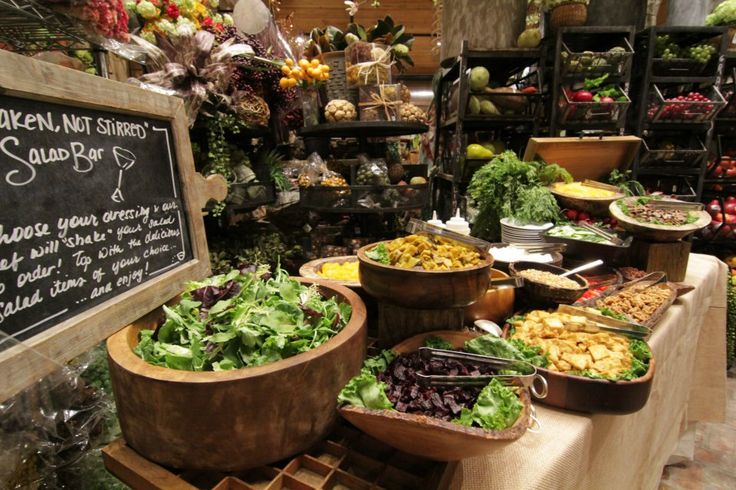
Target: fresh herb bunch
[242, 319]
[508, 187]
[623, 181]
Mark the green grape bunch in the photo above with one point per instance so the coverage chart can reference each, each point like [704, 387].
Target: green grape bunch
[701, 53]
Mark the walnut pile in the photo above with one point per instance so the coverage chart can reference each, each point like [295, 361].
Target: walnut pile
[412, 113]
[340, 110]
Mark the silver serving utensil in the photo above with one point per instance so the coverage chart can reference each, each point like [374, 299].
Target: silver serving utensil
[583, 267]
[607, 323]
[540, 247]
[489, 326]
[677, 205]
[526, 377]
[611, 237]
[601, 185]
[416, 226]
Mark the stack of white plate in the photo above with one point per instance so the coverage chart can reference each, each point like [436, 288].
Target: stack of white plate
[514, 233]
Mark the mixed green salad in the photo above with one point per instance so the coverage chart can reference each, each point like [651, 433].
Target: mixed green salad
[242, 319]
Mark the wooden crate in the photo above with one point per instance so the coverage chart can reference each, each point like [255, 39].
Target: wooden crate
[347, 459]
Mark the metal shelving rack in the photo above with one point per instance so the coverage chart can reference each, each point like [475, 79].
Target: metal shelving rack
[29, 26]
[452, 128]
[710, 76]
[581, 39]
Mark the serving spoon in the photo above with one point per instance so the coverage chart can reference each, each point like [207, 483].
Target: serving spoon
[583, 267]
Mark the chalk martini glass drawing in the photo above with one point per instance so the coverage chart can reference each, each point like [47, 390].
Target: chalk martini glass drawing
[124, 160]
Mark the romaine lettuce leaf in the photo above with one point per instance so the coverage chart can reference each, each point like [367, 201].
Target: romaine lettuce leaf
[497, 408]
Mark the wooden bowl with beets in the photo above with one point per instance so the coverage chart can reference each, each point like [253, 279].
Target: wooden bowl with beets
[432, 437]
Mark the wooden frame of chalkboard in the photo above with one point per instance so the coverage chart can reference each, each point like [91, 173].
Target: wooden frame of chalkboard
[100, 212]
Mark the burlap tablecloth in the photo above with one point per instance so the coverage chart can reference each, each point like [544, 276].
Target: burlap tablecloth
[578, 451]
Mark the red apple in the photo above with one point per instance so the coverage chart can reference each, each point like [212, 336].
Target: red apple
[730, 208]
[583, 96]
[607, 100]
[731, 199]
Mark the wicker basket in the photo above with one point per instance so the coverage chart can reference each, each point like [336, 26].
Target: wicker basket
[337, 87]
[569, 14]
[542, 294]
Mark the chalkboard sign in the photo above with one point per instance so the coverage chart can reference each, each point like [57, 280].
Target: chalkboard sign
[90, 206]
[100, 212]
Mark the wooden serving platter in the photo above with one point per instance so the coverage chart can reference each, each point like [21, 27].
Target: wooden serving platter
[658, 313]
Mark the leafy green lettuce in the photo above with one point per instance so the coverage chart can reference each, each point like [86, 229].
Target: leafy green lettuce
[365, 390]
[640, 362]
[490, 345]
[237, 320]
[497, 408]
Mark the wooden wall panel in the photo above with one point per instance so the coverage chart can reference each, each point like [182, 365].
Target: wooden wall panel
[416, 15]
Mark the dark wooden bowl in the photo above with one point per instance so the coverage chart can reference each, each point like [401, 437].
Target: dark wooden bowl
[311, 270]
[543, 294]
[421, 289]
[239, 419]
[429, 437]
[595, 395]
[656, 233]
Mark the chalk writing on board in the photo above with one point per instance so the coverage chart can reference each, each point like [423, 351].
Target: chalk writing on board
[89, 208]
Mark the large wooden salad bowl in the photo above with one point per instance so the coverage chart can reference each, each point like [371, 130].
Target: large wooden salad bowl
[429, 437]
[422, 289]
[239, 419]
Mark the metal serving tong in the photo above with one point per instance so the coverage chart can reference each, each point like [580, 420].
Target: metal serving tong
[611, 237]
[607, 323]
[417, 226]
[540, 247]
[677, 205]
[601, 185]
[526, 375]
